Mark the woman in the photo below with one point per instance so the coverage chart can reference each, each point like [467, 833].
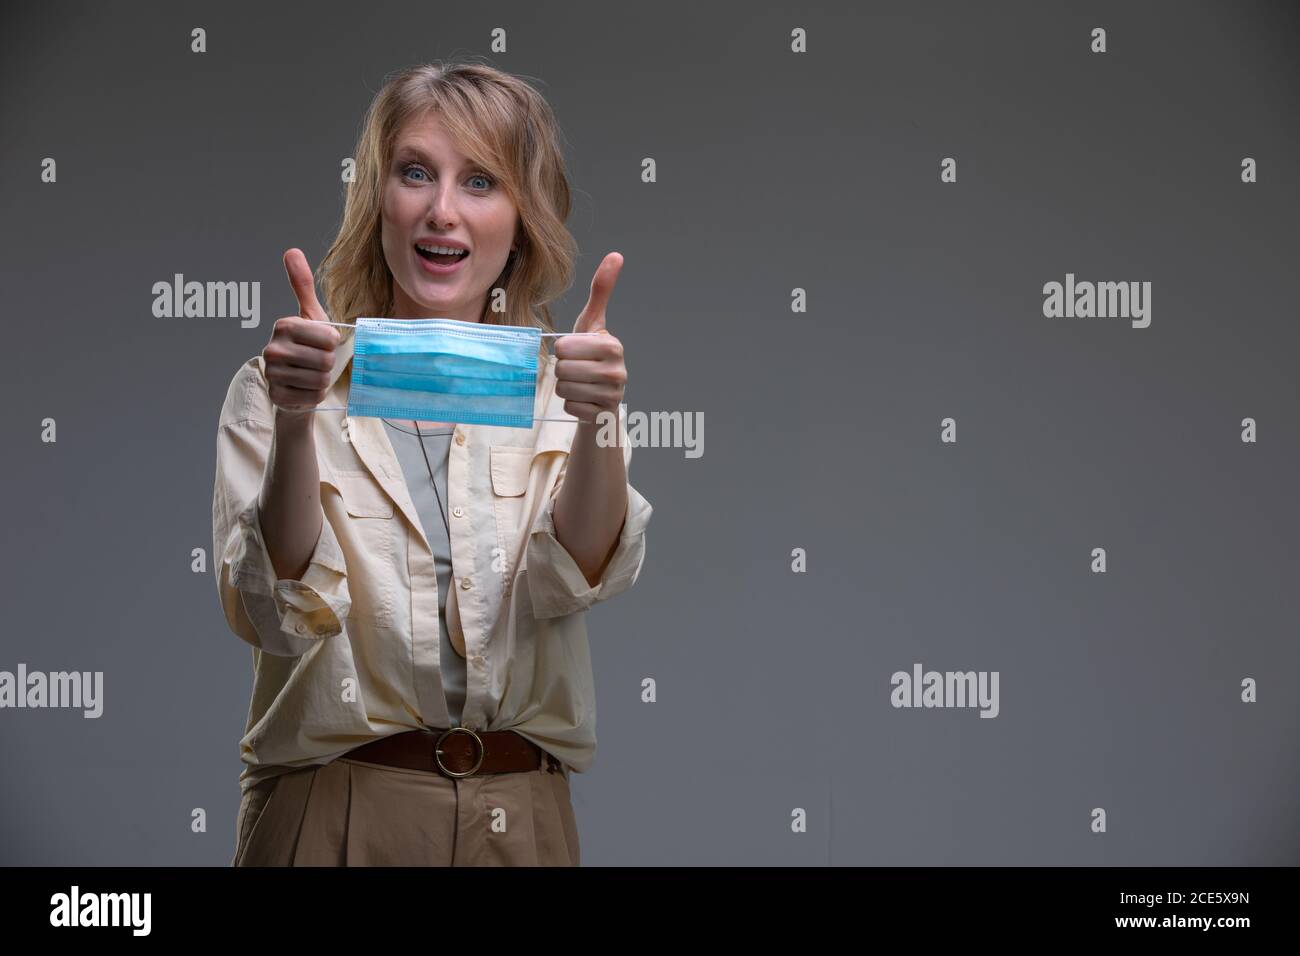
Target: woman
[415, 591]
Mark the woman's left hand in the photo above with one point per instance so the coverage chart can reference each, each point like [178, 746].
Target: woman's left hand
[589, 370]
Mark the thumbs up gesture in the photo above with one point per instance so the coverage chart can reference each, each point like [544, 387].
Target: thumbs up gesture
[300, 355]
[589, 370]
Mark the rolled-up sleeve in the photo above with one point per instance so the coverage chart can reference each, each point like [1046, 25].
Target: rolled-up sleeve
[283, 617]
[556, 584]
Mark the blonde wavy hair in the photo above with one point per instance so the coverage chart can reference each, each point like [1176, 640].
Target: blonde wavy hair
[499, 122]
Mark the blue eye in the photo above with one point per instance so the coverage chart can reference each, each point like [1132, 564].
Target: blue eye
[412, 167]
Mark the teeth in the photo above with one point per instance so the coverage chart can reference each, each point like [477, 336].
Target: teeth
[444, 250]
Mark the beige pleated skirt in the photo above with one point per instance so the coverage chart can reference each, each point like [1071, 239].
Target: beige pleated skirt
[353, 813]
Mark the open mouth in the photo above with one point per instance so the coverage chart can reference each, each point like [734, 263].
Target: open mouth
[441, 258]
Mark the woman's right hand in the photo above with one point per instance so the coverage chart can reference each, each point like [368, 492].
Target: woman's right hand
[300, 355]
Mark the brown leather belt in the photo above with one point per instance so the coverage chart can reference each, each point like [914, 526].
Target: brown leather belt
[458, 752]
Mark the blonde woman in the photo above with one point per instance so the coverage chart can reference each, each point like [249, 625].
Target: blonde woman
[415, 591]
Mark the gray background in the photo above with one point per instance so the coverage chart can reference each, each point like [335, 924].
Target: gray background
[775, 170]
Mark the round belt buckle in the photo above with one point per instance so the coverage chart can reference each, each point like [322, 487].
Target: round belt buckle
[437, 752]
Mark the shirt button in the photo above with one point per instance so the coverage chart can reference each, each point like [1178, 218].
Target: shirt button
[460, 438]
[458, 511]
[478, 660]
[465, 584]
[299, 628]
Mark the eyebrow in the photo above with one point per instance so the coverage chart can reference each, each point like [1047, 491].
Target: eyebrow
[410, 150]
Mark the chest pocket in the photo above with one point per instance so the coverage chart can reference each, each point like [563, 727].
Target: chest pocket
[368, 544]
[362, 497]
[510, 465]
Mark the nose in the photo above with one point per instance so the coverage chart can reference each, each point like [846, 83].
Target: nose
[442, 206]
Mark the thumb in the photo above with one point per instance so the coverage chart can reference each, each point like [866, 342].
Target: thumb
[304, 286]
[592, 318]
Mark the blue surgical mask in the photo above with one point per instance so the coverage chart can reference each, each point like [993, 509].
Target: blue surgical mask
[444, 370]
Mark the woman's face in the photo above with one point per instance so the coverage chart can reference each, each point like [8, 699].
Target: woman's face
[433, 195]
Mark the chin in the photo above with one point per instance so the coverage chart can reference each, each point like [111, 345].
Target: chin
[437, 307]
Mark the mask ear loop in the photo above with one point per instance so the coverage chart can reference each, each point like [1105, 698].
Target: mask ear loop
[545, 335]
[353, 325]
